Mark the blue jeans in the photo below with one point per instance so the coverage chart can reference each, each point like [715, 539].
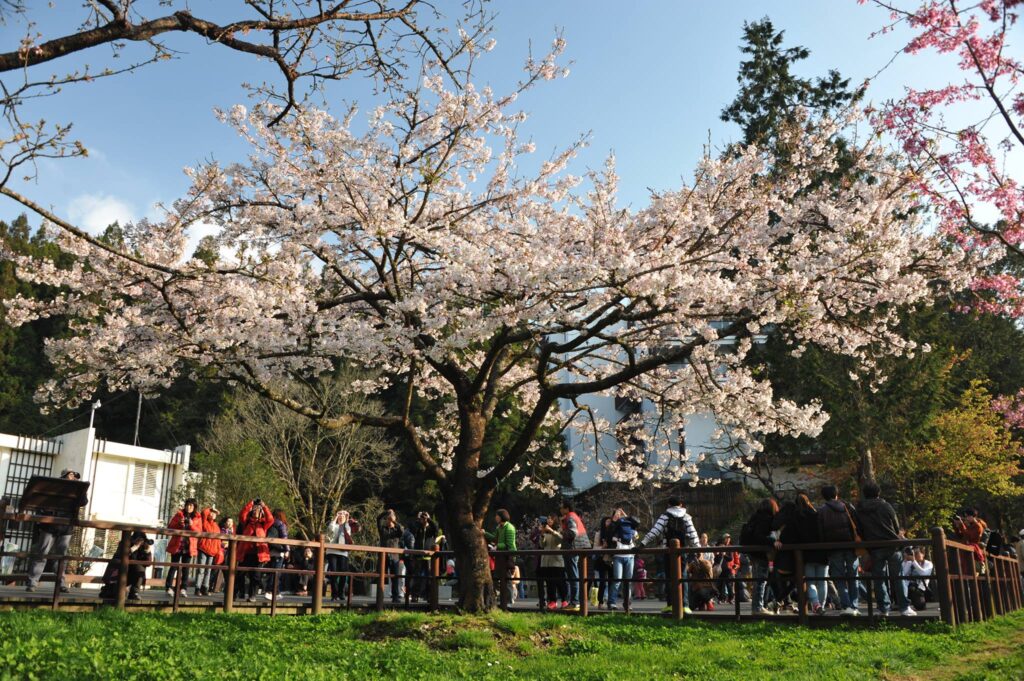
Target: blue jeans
[203, 573]
[572, 576]
[759, 568]
[817, 591]
[622, 568]
[888, 563]
[842, 566]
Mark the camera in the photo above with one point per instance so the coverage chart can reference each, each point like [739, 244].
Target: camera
[257, 502]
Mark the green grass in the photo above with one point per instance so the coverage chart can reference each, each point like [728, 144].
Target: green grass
[408, 646]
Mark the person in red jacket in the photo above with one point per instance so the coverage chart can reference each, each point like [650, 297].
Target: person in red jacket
[183, 550]
[211, 551]
[254, 521]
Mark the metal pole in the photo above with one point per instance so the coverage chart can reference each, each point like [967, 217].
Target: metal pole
[138, 419]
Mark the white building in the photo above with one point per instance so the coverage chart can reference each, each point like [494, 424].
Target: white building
[128, 484]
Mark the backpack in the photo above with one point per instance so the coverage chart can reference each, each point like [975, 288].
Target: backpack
[625, 531]
[675, 528]
[835, 525]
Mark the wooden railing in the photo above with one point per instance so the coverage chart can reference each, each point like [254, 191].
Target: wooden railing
[967, 590]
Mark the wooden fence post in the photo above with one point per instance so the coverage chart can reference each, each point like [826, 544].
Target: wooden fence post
[432, 589]
[584, 584]
[381, 563]
[501, 566]
[318, 592]
[942, 584]
[122, 575]
[674, 588]
[801, 587]
[59, 571]
[229, 578]
[979, 615]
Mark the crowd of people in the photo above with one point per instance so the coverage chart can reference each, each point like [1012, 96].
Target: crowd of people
[840, 580]
[836, 579]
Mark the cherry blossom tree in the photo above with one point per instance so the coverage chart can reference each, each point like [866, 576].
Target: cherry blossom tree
[309, 43]
[431, 245]
[966, 135]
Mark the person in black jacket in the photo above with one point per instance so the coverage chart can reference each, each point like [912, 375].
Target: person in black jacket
[837, 522]
[391, 537]
[139, 548]
[756, 532]
[878, 522]
[815, 562]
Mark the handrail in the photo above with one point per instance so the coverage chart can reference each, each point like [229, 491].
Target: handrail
[967, 590]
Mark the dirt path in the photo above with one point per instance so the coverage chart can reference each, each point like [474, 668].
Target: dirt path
[971, 663]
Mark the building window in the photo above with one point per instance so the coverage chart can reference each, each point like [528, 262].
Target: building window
[144, 479]
[24, 464]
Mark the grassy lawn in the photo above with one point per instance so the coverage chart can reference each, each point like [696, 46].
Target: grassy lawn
[407, 646]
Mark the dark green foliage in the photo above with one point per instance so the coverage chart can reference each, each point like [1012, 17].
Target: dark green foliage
[770, 91]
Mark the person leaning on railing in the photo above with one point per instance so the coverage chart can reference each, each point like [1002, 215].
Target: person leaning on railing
[50, 539]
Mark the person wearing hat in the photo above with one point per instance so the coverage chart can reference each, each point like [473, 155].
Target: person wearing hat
[211, 551]
[50, 539]
[183, 550]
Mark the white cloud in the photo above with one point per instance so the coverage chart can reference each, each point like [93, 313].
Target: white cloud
[94, 212]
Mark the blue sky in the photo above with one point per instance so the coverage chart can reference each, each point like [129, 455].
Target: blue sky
[648, 82]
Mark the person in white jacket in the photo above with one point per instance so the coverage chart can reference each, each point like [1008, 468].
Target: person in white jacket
[674, 523]
[340, 531]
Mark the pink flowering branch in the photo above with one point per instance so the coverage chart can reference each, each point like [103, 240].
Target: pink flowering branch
[961, 168]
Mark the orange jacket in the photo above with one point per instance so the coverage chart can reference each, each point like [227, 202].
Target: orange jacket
[251, 527]
[211, 547]
[178, 522]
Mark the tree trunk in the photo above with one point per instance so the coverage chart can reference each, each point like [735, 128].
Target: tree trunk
[476, 587]
[466, 509]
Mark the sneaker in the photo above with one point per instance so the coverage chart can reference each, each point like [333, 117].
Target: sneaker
[883, 613]
[573, 607]
[687, 611]
[30, 588]
[762, 611]
[818, 610]
[552, 606]
[63, 589]
[170, 592]
[849, 612]
[909, 612]
[269, 596]
[251, 599]
[184, 593]
[667, 608]
[565, 604]
[710, 606]
[134, 597]
[612, 606]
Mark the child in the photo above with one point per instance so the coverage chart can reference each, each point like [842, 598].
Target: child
[640, 585]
